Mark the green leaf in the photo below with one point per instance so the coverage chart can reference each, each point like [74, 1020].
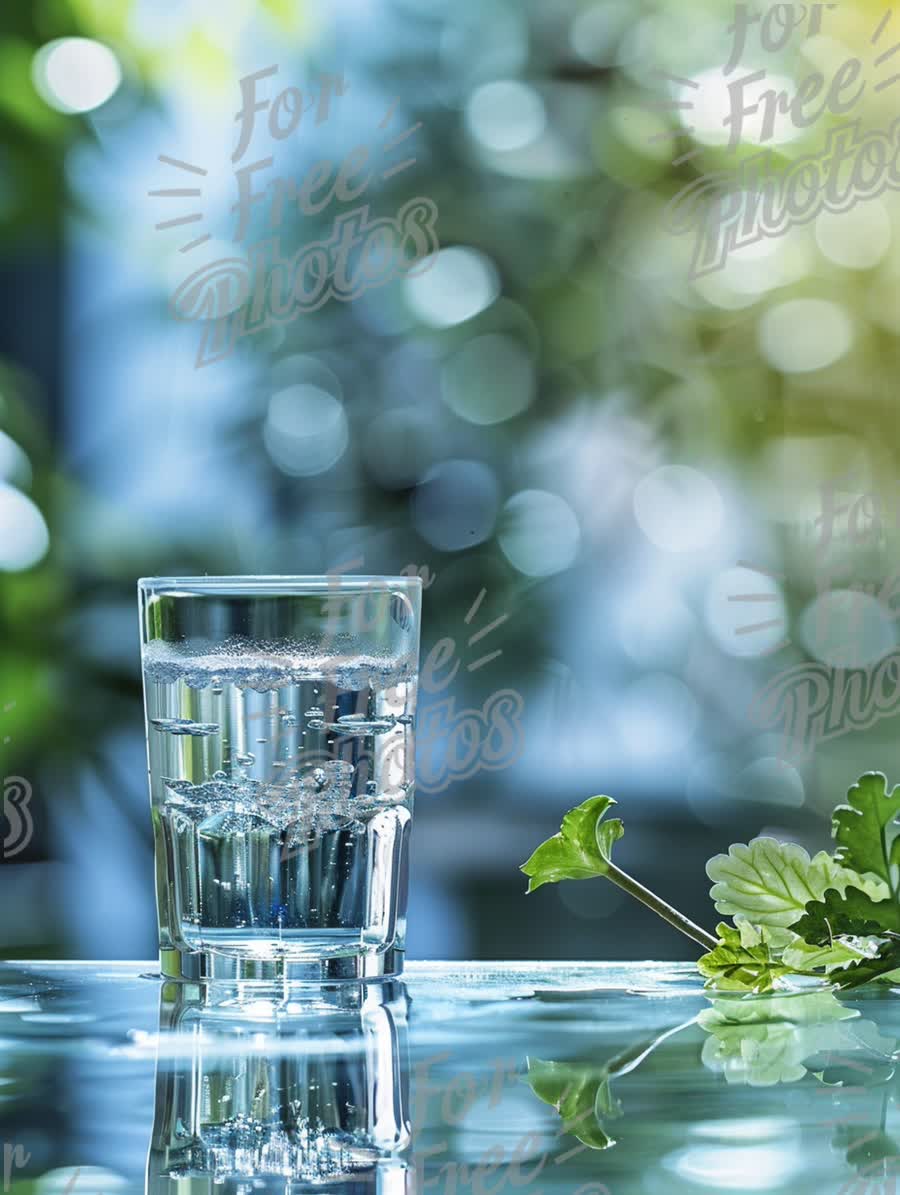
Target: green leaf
[806, 956]
[854, 914]
[855, 974]
[581, 850]
[770, 883]
[736, 966]
[866, 828]
[580, 1094]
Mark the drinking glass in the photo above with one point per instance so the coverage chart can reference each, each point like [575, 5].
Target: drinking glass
[279, 718]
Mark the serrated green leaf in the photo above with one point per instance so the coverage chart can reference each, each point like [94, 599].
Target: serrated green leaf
[854, 914]
[732, 966]
[866, 970]
[580, 1094]
[768, 882]
[806, 956]
[581, 850]
[866, 828]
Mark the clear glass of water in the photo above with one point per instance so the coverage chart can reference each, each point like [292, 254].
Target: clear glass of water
[280, 716]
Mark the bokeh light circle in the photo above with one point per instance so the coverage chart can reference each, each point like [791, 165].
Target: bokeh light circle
[489, 379]
[451, 286]
[745, 612]
[846, 628]
[306, 430]
[455, 504]
[24, 537]
[678, 508]
[14, 464]
[505, 115]
[75, 74]
[804, 334]
[857, 238]
[539, 533]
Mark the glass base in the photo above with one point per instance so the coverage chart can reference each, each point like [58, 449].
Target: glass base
[202, 966]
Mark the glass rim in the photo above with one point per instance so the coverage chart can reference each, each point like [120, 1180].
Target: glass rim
[277, 585]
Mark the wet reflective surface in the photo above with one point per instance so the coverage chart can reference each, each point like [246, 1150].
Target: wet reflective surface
[592, 1078]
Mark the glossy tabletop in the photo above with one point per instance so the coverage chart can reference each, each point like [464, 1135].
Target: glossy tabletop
[465, 1077]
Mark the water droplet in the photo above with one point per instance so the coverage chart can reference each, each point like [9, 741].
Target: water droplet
[406, 719]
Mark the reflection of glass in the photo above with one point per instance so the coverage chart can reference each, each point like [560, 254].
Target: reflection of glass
[306, 1093]
[279, 731]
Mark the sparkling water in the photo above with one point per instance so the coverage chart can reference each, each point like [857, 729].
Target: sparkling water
[281, 791]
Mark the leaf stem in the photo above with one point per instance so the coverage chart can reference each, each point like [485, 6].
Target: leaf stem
[678, 920]
[628, 1060]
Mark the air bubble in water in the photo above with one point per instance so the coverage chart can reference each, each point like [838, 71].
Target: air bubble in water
[289, 719]
[199, 730]
[245, 760]
[358, 724]
[220, 775]
[319, 777]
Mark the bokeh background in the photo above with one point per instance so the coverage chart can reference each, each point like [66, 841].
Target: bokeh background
[554, 413]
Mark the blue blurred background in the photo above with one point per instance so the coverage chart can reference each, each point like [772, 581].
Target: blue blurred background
[553, 422]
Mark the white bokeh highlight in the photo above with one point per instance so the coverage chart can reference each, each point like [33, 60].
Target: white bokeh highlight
[75, 74]
[24, 537]
[804, 334]
[679, 509]
[739, 603]
[451, 286]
